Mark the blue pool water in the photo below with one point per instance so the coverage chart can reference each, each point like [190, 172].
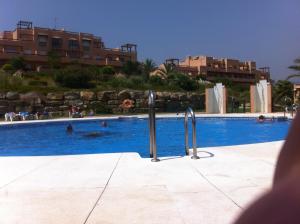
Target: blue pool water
[132, 135]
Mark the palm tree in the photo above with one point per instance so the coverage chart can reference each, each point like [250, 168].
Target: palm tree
[165, 70]
[148, 67]
[282, 90]
[296, 68]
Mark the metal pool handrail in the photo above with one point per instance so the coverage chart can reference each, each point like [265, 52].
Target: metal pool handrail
[189, 111]
[152, 128]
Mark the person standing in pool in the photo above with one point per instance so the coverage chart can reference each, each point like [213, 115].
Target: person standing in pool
[69, 129]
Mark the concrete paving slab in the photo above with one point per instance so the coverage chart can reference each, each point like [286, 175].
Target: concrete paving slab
[65, 206]
[13, 168]
[86, 171]
[147, 205]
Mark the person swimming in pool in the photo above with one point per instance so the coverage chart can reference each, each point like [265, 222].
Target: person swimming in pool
[261, 119]
[69, 129]
[103, 124]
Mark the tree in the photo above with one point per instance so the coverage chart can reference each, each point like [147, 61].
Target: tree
[283, 89]
[295, 67]
[18, 63]
[53, 60]
[148, 67]
[165, 70]
[132, 68]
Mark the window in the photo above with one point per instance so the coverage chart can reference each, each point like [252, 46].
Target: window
[10, 49]
[27, 52]
[73, 44]
[86, 45]
[99, 58]
[42, 40]
[56, 43]
[98, 44]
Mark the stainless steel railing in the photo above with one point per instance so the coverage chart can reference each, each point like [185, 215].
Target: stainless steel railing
[188, 112]
[152, 127]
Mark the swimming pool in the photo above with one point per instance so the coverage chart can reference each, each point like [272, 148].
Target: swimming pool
[132, 135]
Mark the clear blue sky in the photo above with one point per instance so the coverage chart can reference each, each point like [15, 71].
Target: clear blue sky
[267, 31]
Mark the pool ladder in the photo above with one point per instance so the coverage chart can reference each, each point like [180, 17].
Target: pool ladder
[189, 111]
[152, 127]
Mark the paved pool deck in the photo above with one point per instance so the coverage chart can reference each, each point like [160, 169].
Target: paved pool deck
[124, 188]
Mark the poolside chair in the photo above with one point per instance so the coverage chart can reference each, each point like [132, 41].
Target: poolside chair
[24, 115]
[9, 116]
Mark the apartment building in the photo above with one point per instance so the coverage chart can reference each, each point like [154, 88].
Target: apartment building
[297, 94]
[35, 43]
[217, 69]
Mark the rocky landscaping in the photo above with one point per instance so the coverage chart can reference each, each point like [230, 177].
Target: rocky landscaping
[103, 102]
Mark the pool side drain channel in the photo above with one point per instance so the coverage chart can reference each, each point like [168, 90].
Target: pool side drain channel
[189, 111]
[152, 127]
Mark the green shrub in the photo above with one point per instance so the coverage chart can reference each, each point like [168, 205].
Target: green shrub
[15, 81]
[118, 82]
[4, 82]
[73, 78]
[182, 81]
[136, 81]
[37, 83]
[108, 70]
[156, 80]
[7, 67]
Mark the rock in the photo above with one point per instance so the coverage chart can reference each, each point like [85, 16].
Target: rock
[116, 110]
[50, 109]
[12, 96]
[15, 103]
[183, 97]
[173, 106]
[141, 110]
[96, 103]
[55, 96]
[107, 95]
[74, 102]
[137, 94]
[2, 96]
[87, 95]
[71, 95]
[141, 103]
[3, 103]
[54, 103]
[113, 102]
[174, 96]
[4, 109]
[196, 101]
[160, 103]
[124, 94]
[163, 95]
[33, 98]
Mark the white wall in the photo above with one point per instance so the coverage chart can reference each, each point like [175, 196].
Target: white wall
[261, 97]
[215, 99]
